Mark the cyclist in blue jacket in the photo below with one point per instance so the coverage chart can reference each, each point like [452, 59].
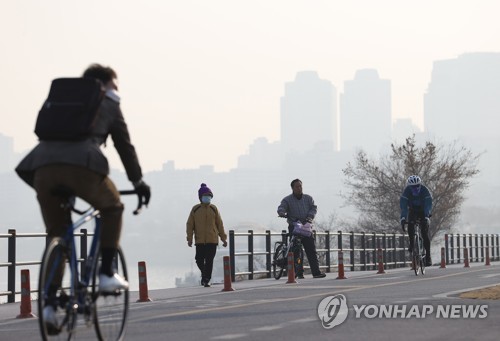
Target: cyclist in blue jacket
[416, 203]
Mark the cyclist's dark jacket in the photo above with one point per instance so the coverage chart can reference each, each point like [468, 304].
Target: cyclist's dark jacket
[420, 204]
[87, 153]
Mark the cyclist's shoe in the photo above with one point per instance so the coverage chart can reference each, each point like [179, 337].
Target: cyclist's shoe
[112, 284]
[50, 319]
[206, 284]
[320, 275]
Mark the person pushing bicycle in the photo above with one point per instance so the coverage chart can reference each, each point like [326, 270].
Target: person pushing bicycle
[416, 203]
[301, 207]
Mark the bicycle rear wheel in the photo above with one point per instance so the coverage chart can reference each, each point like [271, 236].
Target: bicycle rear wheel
[110, 310]
[279, 260]
[54, 290]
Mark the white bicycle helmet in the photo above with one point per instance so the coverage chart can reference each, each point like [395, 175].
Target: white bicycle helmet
[413, 180]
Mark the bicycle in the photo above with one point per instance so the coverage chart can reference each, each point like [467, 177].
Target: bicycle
[77, 293]
[281, 250]
[418, 252]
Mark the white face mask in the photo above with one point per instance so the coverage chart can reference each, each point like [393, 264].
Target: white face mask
[206, 199]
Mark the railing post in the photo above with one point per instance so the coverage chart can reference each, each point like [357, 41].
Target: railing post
[384, 249]
[339, 241]
[250, 256]
[471, 246]
[268, 253]
[231, 255]
[402, 242]
[327, 247]
[351, 246]
[11, 271]
[394, 251]
[476, 238]
[498, 247]
[83, 251]
[283, 236]
[452, 249]
[482, 247]
[374, 250]
[465, 244]
[488, 244]
[363, 252]
[458, 249]
[446, 248]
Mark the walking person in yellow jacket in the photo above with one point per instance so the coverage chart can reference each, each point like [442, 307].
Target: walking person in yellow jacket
[205, 223]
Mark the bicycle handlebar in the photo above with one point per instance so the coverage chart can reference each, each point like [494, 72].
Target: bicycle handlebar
[139, 205]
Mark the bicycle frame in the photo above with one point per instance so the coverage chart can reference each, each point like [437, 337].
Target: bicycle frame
[418, 249]
[85, 277]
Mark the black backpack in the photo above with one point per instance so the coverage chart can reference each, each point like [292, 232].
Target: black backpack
[70, 110]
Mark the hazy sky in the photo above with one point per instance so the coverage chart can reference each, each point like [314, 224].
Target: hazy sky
[200, 80]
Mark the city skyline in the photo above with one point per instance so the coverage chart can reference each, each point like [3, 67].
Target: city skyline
[201, 80]
[310, 103]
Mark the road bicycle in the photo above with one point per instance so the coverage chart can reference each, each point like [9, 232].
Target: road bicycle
[72, 292]
[418, 252]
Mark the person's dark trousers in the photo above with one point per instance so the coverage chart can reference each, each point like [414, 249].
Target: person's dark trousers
[425, 231]
[205, 254]
[309, 245]
[298, 258]
[312, 256]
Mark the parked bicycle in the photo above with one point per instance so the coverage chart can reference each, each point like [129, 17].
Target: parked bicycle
[78, 292]
[418, 252]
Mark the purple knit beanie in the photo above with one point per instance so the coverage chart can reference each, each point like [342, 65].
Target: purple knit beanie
[204, 190]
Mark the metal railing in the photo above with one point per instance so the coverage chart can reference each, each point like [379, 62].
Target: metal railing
[360, 250]
[12, 264]
[476, 245]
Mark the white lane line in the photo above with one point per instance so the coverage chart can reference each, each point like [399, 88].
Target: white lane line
[228, 337]
[268, 328]
[283, 325]
[490, 275]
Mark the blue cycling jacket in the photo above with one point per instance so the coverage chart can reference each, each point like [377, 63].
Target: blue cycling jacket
[419, 203]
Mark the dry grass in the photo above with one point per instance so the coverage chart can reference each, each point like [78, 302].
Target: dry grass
[491, 293]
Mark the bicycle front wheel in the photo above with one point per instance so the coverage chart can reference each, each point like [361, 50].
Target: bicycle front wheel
[55, 295]
[416, 258]
[422, 257]
[279, 260]
[110, 309]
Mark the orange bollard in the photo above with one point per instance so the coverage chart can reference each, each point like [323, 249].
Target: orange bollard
[341, 266]
[25, 295]
[443, 259]
[466, 258]
[291, 269]
[143, 283]
[380, 262]
[227, 274]
[487, 257]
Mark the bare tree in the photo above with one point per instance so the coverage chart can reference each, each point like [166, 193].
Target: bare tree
[374, 187]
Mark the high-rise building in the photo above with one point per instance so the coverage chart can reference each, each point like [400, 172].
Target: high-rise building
[463, 97]
[365, 112]
[308, 113]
